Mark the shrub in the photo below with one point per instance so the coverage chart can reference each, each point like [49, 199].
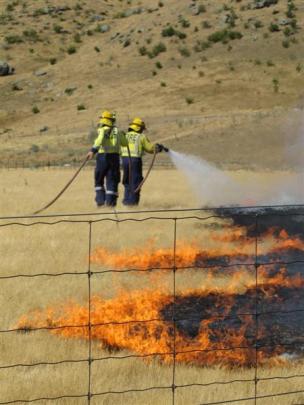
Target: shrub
[270, 63]
[90, 86]
[201, 9]
[81, 107]
[34, 148]
[40, 11]
[35, 110]
[274, 27]
[143, 51]
[157, 49]
[71, 49]
[69, 90]
[184, 22]
[13, 39]
[206, 24]
[158, 65]
[77, 38]
[96, 49]
[184, 52]
[163, 84]
[31, 35]
[53, 61]
[258, 24]
[57, 28]
[189, 100]
[275, 83]
[285, 43]
[299, 67]
[170, 32]
[224, 36]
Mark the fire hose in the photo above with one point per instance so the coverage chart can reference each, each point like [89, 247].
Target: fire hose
[64, 188]
[138, 188]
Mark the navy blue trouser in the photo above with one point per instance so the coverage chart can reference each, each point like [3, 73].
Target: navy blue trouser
[107, 167]
[131, 198]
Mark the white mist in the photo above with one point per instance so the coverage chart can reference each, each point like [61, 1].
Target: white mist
[214, 187]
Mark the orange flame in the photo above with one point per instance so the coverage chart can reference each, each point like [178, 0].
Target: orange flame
[196, 326]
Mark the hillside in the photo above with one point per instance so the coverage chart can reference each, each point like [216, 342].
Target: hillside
[215, 78]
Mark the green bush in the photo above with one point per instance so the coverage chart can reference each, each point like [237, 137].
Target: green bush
[77, 38]
[34, 148]
[32, 35]
[143, 51]
[69, 90]
[53, 61]
[274, 27]
[285, 43]
[71, 49]
[224, 36]
[157, 49]
[158, 65]
[57, 28]
[258, 24]
[81, 107]
[13, 39]
[275, 83]
[170, 32]
[189, 100]
[35, 110]
[206, 24]
[184, 52]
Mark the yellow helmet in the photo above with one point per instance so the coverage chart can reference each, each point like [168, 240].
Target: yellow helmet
[108, 115]
[106, 121]
[137, 124]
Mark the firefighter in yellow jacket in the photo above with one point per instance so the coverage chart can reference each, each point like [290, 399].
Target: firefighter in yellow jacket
[138, 144]
[107, 150]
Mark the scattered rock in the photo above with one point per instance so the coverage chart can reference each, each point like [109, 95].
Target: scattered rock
[133, 11]
[285, 21]
[6, 69]
[97, 18]
[103, 28]
[16, 87]
[40, 73]
[264, 3]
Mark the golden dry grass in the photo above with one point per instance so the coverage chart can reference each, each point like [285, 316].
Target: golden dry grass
[64, 248]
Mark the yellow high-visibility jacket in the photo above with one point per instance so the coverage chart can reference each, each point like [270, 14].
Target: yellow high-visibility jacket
[138, 145]
[109, 140]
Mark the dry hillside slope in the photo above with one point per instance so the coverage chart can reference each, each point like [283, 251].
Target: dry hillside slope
[212, 77]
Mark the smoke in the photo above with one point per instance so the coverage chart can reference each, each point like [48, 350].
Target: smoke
[213, 187]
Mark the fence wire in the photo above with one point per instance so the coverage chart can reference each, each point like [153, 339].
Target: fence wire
[5, 222]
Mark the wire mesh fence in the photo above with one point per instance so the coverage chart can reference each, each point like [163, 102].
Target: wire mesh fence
[177, 223]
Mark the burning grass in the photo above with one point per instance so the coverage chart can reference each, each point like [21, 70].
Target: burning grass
[211, 327]
[252, 320]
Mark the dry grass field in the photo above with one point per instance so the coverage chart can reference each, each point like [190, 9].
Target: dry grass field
[64, 248]
[219, 79]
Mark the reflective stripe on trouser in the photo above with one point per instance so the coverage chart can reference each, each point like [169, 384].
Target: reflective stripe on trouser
[131, 198]
[107, 168]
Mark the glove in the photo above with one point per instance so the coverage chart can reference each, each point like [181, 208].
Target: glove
[159, 148]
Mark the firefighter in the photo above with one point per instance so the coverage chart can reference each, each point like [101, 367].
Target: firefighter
[107, 148]
[138, 144]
